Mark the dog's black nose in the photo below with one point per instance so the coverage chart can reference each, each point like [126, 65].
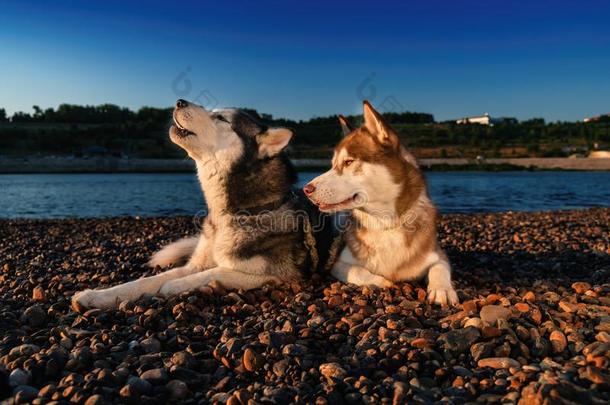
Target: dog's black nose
[309, 189]
[181, 103]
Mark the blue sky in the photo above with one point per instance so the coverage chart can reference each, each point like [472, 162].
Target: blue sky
[303, 59]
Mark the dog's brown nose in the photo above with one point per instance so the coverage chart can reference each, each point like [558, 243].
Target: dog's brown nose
[309, 189]
[181, 103]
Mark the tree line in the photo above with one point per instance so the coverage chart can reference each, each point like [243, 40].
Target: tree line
[87, 114]
[71, 129]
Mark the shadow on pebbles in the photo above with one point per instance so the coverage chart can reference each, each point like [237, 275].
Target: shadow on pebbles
[533, 326]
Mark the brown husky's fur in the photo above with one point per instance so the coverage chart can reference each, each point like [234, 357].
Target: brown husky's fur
[393, 233]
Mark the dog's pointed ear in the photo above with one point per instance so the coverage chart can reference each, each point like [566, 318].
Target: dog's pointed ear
[273, 141]
[346, 127]
[376, 126]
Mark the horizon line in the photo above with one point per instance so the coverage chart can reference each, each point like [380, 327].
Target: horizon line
[10, 113]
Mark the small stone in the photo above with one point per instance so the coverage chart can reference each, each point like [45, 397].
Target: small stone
[357, 330]
[581, 287]
[510, 398]
[420, 343]
[597, 376]
[499, 362]
[568, 306]
[603, 337]
[492, 299]
[95, 400]
[38, 294]
[35, 316]
[551, 297]
[400, 391]
[23, 350]
[66, 343]
[540, 346]
[458, 316]
[529, 296]
[25, 394]
[392, 324]
[335, 301]
[184, 359]
[421, 295]
[481, 350]
[139, 385]
[469, 306]
[491, 313]
[536, 316]
[333, 372]
[522, 307]
[243, 396]
[18, 377]
[531, 368]
[47, 391]
[558, 341]
[459, 340]
[129, 393]
[271, 339]
[150, 345]
[294, 350]
[462, 371]
[221, 397]
[155, 376]
[177, 389]
[280, 368]
[490, 331]
[475, 322]
[251, 360]
[233, 400]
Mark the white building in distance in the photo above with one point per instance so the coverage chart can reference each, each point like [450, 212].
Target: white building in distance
[597, 118]
[484, 119]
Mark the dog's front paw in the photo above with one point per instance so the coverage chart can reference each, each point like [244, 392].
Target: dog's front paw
[174, 287]
[88, 299]
[442, 295]
[385, 283]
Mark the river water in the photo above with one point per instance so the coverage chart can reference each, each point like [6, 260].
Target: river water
[105, 195]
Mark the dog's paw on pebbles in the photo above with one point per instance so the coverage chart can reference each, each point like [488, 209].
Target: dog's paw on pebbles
[88, 299]
[442, 296]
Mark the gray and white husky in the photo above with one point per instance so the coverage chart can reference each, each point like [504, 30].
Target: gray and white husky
[258, 230]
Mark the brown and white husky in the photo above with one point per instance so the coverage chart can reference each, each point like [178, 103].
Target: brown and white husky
[392, 233]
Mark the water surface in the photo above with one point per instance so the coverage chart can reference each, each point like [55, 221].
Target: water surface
[104, 195]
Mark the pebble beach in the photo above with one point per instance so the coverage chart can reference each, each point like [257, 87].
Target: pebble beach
[533, 326]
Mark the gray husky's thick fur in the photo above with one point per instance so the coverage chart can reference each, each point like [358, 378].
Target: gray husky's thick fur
[258, 229]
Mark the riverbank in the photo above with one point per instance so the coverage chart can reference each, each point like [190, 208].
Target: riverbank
[534, 323]
[116, 165]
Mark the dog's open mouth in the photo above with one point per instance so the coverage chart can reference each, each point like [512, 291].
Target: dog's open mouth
[345, 204]
[180, 130]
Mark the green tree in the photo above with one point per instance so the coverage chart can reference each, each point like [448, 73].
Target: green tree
[21, 116]
[3, 117]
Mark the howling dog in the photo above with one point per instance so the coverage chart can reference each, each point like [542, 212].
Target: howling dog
[392, 232]
[259, 228]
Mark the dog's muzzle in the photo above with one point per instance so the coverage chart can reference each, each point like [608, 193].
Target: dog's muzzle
[178, 129]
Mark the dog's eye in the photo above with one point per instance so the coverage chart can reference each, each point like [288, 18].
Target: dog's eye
[220, 118]
[348, 162]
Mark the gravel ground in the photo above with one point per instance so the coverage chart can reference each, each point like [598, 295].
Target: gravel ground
[533, 326]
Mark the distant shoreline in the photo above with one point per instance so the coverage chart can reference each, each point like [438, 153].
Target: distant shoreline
[117, 165]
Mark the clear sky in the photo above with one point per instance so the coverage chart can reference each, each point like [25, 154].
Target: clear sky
[303, 59]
